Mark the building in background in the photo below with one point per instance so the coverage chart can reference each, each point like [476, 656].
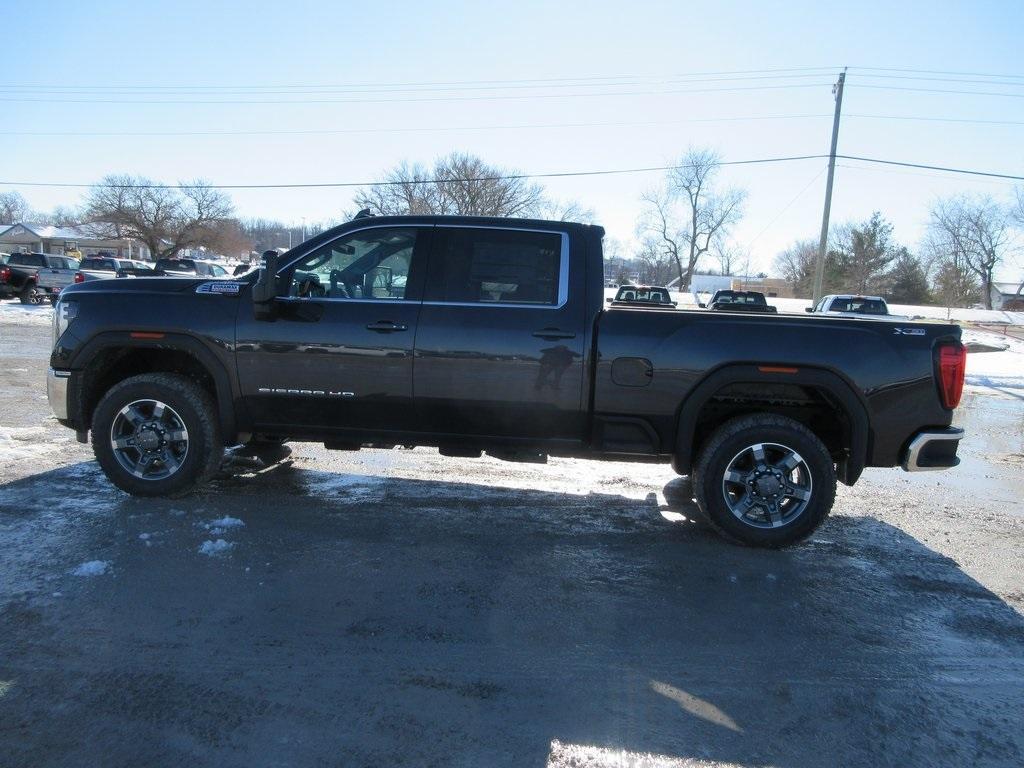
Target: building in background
[60, 241]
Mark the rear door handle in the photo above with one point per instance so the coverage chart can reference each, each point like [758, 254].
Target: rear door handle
[551, 334]
[386, 326]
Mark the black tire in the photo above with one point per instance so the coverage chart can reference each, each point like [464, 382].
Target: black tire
[188, 403]
[764, 524]
[32, 294]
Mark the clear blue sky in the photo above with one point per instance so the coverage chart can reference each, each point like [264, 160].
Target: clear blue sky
[105, 45]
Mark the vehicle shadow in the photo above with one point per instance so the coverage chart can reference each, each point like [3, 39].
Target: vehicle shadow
[367, 619]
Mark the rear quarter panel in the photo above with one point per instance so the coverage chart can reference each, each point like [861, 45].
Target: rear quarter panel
[891, 372]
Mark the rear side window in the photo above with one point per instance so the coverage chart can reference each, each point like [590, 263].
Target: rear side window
[27, 260]
[489, 266]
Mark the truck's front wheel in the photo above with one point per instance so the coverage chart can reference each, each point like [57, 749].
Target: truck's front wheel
[156, 435]
[764, 480]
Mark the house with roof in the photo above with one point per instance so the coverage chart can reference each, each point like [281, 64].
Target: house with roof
[46, 238]
[1008, 296]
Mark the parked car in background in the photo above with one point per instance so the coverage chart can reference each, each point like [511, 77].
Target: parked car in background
[190, 268]
[739, 301]
[104, 267]
[643, 296]
[52, 274]
[850, 304]
[21, 283]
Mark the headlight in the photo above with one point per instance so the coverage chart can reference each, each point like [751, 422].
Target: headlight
[63, 313]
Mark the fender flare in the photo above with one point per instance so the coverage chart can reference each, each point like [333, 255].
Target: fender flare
[845, 395]
[177, 342]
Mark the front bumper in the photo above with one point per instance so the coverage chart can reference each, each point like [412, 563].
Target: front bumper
[933, 449]
[57, 392]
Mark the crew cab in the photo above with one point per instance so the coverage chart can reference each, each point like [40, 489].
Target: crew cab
[483, 334]
[642, 296]
[739, 301]
[107, 267]
[36, 277]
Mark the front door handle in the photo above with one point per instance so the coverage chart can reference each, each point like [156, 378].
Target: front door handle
[552, 334]
[386, 326]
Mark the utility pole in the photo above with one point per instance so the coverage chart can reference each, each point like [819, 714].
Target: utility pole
[819, 269]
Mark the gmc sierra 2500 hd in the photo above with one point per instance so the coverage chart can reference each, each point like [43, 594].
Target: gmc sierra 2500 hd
[481, 334]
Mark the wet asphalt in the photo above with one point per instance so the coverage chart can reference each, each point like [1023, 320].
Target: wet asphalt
[402, 608]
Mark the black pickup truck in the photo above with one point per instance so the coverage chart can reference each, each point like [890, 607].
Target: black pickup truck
[479, 334]
[739, 301]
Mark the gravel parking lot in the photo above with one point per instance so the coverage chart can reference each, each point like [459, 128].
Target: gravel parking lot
[402, 608]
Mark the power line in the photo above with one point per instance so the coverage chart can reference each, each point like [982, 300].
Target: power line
[964, 171]
[927, 119]
[501, 177]
[513, 127]
[785, 208]
[416, 129]
[336, 90]
[438, 82]
[503, 97]
[937, 90]
[936, 72]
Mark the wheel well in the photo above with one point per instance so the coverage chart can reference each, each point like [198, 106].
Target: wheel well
[116, 364]
[811, 405]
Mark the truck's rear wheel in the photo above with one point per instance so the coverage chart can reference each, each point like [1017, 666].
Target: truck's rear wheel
[156, 435]
[32, 294]
[764, 480]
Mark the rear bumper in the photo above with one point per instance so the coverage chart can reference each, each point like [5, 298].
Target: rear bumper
[57, 392]
[933, 449]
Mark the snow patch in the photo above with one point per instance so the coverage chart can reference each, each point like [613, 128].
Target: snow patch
[19, 443]
[218, 547]
[92, 568]
[226, 522]
[25, 314]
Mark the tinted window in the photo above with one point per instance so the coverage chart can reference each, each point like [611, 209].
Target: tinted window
[496, 266]
[27, 260]
[176, 265]
[371, 264]
[102, 265]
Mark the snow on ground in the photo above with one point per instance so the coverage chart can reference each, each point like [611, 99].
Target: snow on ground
[16, 313]
[92, 568]
[218, 547]
[19, 443]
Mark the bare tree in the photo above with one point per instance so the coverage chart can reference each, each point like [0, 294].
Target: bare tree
[657, 267]
[955, 284]
[14, 208]
[689, 216]
[796, 266]
[975, 230]
[459, 184]
[168, 220]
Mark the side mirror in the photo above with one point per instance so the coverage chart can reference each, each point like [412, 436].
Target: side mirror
[702, 305]
[264, 291]
[809, 309]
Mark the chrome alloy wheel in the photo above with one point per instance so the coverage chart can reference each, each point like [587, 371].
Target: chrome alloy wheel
[149, 439]
[767, 485]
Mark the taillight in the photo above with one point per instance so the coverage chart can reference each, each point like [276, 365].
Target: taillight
[5, 274]
[952, 367]
[79, 277]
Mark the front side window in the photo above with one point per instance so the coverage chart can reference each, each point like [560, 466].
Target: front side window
[369, 264]
[491, 266]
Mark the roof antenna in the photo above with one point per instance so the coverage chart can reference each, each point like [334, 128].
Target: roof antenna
[366, 213]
